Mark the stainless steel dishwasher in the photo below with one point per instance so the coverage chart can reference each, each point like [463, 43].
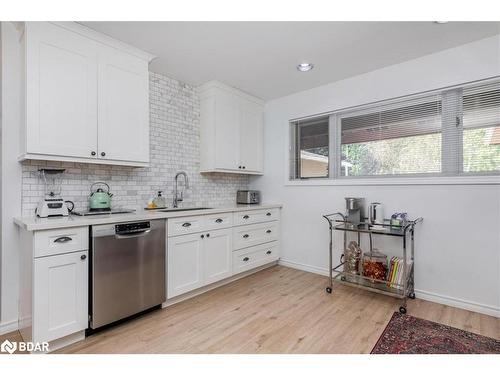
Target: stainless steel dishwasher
[127, 272]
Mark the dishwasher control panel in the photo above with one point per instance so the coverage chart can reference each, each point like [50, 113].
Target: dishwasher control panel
[132, 227]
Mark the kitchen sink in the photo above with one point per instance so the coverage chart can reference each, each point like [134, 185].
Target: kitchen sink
[184, 209]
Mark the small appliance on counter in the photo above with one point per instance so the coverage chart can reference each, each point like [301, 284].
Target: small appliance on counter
[100, 199]
[376, 213]
[248, 197]
[105, 212]
[52, 203]
[100, 202]
[355, 210]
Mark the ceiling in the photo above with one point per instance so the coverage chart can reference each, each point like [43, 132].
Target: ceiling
[261, 57]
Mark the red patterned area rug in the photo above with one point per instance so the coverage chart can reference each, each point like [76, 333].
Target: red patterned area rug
[406, 334]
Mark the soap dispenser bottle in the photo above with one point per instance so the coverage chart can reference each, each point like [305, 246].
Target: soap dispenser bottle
[159, 201]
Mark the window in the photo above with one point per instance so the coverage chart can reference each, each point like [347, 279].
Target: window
[392, 140]
[447, 133]
[481, 128]
[310, 155]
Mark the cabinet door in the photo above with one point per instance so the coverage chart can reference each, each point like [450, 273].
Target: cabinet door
[184, 264]
[61, 92]
[217, 249]
[123, 111]
[60, 295]
[251, 137]
[227, 139]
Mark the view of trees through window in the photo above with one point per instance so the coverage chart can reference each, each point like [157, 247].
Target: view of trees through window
[418, 154]
[481, 149]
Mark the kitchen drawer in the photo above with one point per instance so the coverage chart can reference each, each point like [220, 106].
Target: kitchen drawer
[255, 256]
[218, 221]
[60, 241]
[185, 225]
[250, 235]
[256, 216]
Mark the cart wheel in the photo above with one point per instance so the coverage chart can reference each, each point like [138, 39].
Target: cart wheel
[402, 310]
[411, 295]
[329, 290]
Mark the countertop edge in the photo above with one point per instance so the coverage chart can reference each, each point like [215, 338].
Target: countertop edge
[36, 224]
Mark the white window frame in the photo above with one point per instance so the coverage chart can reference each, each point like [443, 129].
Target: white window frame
[451, 161]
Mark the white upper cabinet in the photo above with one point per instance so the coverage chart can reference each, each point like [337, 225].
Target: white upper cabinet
[87, 97]
[123, 107]
[231, 130]
[61, 92]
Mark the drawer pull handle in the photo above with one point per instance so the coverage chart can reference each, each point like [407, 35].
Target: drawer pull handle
[63, 239]
[246, 217]
[268, 214]
[246, 235]
[246, 259]
[219, 221]
[208, 235]
[268, 252]
[83, 257]
[186, 225]
[268, 231]
[202, 236]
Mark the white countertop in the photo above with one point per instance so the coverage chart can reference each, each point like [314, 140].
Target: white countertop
[33, 223]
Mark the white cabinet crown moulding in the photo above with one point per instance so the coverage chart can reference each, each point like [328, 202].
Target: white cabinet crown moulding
[231, 130]
[85, 94]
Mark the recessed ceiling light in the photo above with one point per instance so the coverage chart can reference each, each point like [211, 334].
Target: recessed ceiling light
[304, 67]
[440, 22]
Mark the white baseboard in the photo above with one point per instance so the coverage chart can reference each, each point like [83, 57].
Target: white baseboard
[427, 296]
[8, 327]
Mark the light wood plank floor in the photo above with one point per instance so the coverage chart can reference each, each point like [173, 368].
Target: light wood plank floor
[277, 310]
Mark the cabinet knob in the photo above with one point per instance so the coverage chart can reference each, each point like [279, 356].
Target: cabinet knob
[268, 231]
[246, 236]
[246, 259]
[83, 257]
[246, 217]
[219, 221]
[103, 153]
[239, 166]
[243, 167]
[268, 214]
[93, 153]
[268, 252]
[202, 236]
[208, 235]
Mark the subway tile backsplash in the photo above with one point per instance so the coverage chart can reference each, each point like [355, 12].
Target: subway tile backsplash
[175, 144]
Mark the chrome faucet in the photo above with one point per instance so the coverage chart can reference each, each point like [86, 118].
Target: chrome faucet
[179, 196]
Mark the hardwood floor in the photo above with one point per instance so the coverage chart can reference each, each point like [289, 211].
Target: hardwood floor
[277, 310]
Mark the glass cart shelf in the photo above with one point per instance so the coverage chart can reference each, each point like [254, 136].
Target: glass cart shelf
[403, 290]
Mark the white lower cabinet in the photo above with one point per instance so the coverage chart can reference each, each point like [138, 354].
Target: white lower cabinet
[196, 260]
[255, 256]
[217, 255]
[60, 295]
[199, 255]
[184, 264]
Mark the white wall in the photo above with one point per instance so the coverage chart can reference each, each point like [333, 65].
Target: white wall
[458, 244]
[11, 175]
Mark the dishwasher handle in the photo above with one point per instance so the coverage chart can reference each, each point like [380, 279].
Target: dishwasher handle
[124, 236]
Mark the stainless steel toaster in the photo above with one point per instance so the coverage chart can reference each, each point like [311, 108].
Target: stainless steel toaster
[248, 197]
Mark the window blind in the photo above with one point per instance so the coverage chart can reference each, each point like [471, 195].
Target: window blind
[392, 139]
[481, 128]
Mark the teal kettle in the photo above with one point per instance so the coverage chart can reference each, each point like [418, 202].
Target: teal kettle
[100, 198]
